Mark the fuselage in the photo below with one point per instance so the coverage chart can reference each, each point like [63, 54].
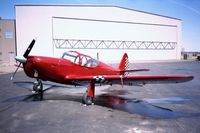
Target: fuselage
[56, 69]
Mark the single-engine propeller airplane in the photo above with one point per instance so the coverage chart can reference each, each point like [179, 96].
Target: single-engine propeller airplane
[77, 69]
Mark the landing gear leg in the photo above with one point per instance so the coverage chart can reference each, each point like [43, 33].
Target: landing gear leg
[38, 86]
[88, 97]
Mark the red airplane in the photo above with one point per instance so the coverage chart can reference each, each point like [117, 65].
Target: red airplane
[77, 69]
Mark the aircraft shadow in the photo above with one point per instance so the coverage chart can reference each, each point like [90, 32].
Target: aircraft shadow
[144, 108]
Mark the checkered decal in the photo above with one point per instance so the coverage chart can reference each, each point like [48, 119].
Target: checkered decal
[99, 79]
[126, 66]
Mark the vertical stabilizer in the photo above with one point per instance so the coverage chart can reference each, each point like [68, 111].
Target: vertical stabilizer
[124, 63]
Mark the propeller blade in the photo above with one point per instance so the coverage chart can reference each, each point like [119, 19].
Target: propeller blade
[28, 50]
[23, 59]
[15, 71]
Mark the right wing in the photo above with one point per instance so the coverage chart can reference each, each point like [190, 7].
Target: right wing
[131, 80]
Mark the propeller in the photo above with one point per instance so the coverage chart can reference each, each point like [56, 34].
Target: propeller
[28, 50]
[23, 59]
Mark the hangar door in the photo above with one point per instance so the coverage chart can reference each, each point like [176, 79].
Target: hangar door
[77, 33]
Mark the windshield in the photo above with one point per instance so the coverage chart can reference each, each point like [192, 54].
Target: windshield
[71, 56]
[80, 59]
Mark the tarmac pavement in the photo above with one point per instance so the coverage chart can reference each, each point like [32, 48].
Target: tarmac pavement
[131, 109]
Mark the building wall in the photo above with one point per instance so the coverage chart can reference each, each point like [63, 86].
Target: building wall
[7, 41]
[70, 25]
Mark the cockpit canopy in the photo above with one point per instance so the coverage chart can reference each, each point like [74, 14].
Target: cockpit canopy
[80, 59]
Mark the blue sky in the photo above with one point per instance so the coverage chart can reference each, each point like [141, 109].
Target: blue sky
[186, 10]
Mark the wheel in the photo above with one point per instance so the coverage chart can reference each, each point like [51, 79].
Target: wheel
[87, 99]
[38, 87]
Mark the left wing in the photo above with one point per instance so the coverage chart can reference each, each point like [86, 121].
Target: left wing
[131, 80]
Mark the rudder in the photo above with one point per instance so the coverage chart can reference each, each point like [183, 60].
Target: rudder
[124, 63]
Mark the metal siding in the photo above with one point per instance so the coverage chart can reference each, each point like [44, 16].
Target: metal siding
[7, 41]
[65, 28]
[38, 21]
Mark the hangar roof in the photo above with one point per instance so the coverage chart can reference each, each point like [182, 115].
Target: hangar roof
[103, 6]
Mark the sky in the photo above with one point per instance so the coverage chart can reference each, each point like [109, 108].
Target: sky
[186, 10]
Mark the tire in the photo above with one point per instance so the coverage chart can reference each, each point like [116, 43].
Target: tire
[87, 99]
[38, 87]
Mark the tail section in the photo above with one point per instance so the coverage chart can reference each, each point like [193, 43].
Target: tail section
[124, 64]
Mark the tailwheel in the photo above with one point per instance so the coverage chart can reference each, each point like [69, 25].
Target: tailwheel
[88, 100]
[38, 86]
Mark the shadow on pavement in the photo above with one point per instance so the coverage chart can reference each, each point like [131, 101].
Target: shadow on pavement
[114, 100]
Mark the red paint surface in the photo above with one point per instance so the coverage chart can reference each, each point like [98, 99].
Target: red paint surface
[64, 71]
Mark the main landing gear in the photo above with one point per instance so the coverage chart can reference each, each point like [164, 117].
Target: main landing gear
[38, 86]
[38, 90]
[88, 97]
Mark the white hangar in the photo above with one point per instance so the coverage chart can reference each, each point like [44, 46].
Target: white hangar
[109, 31]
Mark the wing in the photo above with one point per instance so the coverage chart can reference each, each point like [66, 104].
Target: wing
[131, 80]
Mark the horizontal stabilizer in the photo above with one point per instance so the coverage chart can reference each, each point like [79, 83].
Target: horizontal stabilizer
[134, 70]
